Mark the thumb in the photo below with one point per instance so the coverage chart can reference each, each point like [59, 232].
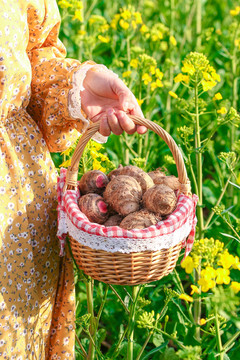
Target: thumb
[124, 95]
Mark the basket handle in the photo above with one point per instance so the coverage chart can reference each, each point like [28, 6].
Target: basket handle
[72, 172]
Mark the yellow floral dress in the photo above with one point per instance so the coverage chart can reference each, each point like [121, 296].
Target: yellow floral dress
[36, 285]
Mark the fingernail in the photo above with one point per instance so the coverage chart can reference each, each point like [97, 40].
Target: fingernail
[125, 106]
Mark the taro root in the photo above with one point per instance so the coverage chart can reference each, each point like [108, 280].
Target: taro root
[114, 220]
[93, 181]
[94, 207]
[143, 178]
[115, 172]
[170, 181]
[160, 199]
[156, 174]
[139, 220]
[123, 194]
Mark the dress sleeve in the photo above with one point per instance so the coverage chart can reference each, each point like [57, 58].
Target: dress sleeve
[55, 102]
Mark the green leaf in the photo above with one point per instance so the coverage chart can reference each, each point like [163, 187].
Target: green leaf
[157, 339]
[230, 236]
[237, 186]
[169, 354]
[155, 350]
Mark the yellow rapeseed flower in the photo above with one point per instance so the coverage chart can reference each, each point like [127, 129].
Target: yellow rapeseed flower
[124, 24]
[235, 11]
[64, 4]
[146, 78]
[172, 40]
[78, 15]
[187, 264]
[178, 78]
[202, 321]
[154, 37]
[134, 63]
[66, 163]
[96, 165]
[126, 14]
[206, 284]
[217, 96]
[156, 84]
[216, 76]
[104, 39]
[114, 21]
[159, 74]
[206, 76]
[188, 68]
[138, 17]
[235, 286]
[152, 70]
[134, 24]
[208, 85]
[97, 146]
[126, 74]
[186, 297]
[223, 276]
[209, 273]
[219, 31]
[181, 78]
[140, 102]
[195, 290]
[222, 111]
[236, 265]
[226, 260]
[104, 28]
[173, 94]
[144, 29]
[82, 32]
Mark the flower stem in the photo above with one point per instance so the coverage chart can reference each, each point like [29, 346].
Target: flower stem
[169, 98]
[197, 304]
[135, 293]
[81, 347]
[218, 336]
[199, 167]
[92, 330]
[198, 24]
[218, 202]
[120, 299]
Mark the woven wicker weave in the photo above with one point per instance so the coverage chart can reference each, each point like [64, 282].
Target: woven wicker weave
[121, 268]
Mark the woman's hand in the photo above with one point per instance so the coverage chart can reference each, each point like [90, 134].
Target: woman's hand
[106, 98]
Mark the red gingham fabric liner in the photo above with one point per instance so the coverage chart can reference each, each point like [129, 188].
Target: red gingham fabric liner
[68, 205]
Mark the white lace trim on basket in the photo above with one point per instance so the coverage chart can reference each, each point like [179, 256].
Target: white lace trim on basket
[74, 99]
[124, 245]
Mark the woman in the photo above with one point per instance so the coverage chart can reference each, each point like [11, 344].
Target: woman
[44, 102]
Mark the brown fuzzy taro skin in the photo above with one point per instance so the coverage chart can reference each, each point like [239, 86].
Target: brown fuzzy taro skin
[114, 220]
[170, 181]
[156, 174]
[143, 178]
[160, 199]
[123, 193]
[139, 220]
[94, 207]
[115, 172]
[93, 181]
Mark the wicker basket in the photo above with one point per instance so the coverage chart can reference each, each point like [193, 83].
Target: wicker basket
[126, 268]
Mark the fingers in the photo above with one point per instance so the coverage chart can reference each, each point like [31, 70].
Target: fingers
[126, 123]
[114, 123]
[104, 128]
[141, 129]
